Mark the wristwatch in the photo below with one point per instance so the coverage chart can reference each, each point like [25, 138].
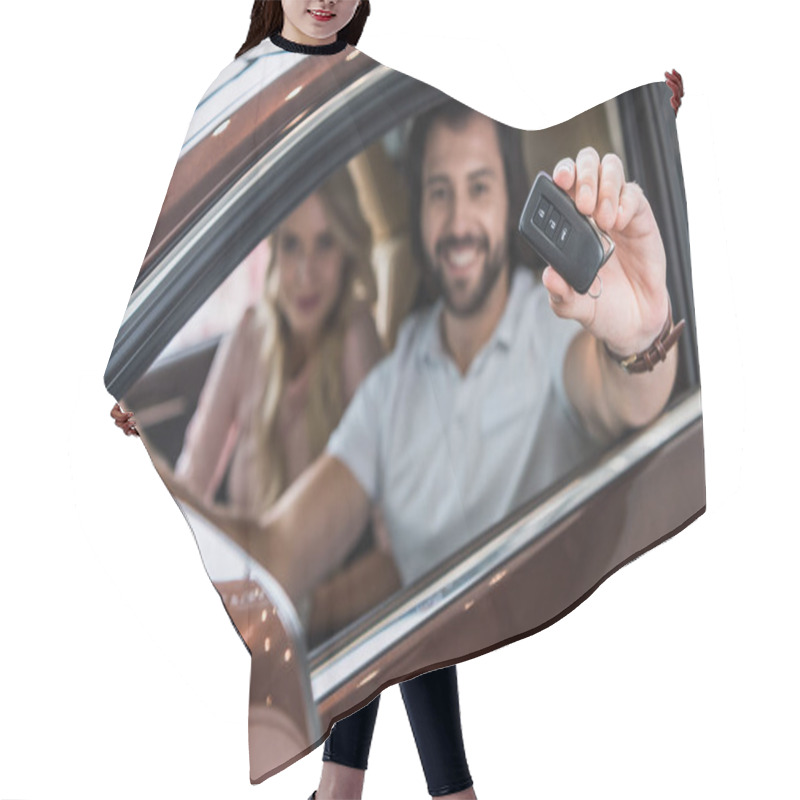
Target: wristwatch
[645, 360]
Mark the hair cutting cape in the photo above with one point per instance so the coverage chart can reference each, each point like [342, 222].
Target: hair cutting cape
[492, 511]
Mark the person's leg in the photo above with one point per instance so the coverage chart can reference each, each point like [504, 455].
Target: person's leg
[432, 705]
[344, 759]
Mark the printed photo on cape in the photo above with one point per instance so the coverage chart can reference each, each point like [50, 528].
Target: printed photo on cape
[288, 311]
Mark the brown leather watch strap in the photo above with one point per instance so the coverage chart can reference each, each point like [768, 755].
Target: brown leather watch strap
[657, 352]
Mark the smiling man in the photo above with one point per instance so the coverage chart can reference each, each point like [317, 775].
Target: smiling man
[460, 173]
[505, 382]
[497, 388]
[494, 391]
[463, 224]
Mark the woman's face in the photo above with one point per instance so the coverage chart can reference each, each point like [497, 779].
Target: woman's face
[316, 21]
[309, 261]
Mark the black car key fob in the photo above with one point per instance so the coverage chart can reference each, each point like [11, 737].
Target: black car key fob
[566, 239]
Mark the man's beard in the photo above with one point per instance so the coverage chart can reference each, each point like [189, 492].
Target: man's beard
[492, 268]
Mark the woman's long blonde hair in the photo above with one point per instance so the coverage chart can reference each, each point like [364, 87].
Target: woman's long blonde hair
[326, 398]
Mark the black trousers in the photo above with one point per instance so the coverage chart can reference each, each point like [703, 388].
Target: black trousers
[431, 702]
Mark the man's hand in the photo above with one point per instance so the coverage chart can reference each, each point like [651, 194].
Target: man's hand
[633, 305]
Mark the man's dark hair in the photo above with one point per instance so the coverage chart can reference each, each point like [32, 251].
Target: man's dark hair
[455, 115]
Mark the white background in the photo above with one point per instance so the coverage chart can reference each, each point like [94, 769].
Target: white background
[121, 675]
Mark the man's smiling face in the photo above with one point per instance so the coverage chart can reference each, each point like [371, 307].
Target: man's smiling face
[464, 211]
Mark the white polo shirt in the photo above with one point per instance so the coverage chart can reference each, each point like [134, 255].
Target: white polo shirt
[445, 455]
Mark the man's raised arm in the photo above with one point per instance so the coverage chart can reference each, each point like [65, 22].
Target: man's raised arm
[630, 312]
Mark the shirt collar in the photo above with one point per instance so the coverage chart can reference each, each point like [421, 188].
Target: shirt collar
[432, 348]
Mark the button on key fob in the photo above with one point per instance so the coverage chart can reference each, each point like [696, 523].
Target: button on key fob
[566, 239]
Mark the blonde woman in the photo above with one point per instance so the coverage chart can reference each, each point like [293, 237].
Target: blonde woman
[280, 382]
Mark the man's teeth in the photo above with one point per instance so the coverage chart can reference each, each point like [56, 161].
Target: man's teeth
[461, 257]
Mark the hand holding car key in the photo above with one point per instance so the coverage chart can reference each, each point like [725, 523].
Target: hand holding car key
[566, 239]
[634, 301]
